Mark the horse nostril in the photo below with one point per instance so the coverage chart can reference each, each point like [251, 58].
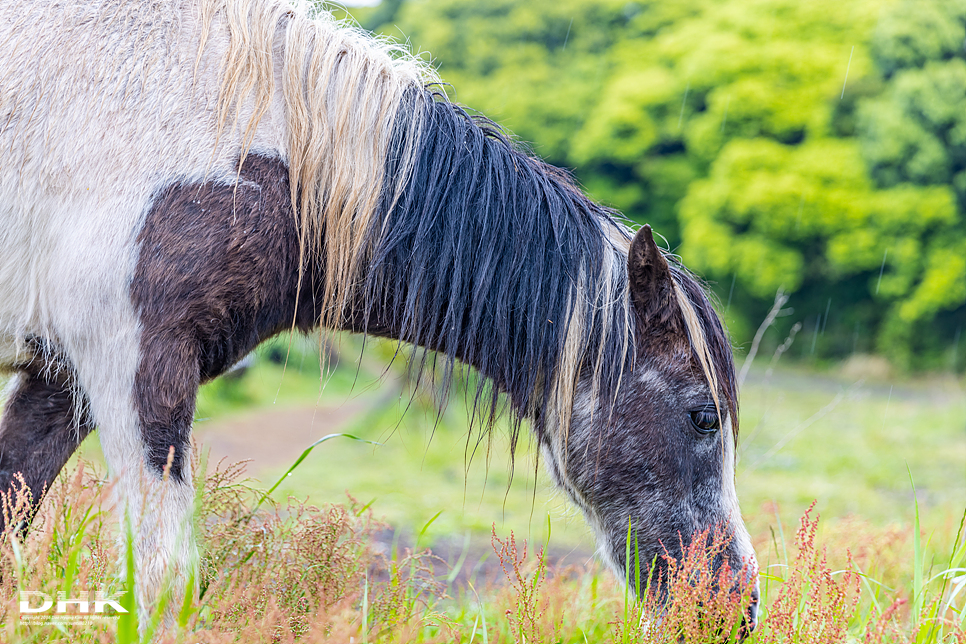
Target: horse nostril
[753, 615]
[753, 608]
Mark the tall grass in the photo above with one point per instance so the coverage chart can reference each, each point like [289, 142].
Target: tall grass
[295, 573]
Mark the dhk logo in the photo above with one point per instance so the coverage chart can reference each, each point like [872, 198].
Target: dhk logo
[33, 602]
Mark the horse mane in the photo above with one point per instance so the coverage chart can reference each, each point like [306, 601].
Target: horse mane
[496, 258]
[435, 221]
[493, 257]
[342, 90]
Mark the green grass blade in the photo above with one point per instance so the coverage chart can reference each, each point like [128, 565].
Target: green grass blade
[458, 566]
[301, 458]
[365, 610]
[476, 623]
[957, 582]
[188, 607]
[637, 567]
[650, 576]
[422, 532]
[19, 572]
[362, 510]
[917, 571]
[127, 623]
[627, 585]
[479, 601]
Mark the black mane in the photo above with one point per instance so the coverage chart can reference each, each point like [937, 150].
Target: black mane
[482, 257]
[486, 253]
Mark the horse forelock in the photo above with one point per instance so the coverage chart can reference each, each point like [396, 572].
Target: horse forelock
[342, 90]
[708, 340]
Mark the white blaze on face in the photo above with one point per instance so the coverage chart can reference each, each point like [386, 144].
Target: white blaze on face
[729, 499]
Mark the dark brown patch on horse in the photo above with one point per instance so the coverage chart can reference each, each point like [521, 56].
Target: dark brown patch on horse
[40, 428]
[217, 274]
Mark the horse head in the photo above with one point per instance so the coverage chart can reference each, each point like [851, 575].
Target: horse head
[656, 460]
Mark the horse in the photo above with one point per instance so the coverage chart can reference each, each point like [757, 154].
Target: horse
[181, 180]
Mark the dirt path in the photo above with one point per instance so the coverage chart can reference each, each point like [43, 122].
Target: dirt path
[270, 438]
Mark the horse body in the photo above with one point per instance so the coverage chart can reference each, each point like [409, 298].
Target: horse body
[87, 137]
[180, 181]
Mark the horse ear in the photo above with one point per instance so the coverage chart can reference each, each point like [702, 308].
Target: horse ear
[651, 285]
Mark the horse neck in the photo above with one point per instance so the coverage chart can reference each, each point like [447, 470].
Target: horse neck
[492, 258]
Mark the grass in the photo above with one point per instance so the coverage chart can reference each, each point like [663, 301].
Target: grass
[887, 562]
[294, 572]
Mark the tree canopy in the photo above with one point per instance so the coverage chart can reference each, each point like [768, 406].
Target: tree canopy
[818, 147]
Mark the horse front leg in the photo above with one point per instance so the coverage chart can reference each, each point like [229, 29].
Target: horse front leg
[43, 424]
[144, 407]
[165, 389]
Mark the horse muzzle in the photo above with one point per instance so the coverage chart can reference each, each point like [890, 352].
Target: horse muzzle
[750, 621]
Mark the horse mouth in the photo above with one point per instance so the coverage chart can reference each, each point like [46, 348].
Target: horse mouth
[750, 621]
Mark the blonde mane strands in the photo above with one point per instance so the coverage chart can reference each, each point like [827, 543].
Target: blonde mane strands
[596, 310]
[699, 343]
[343, 91]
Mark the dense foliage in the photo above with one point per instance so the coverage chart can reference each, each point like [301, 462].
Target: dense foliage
[818, 147]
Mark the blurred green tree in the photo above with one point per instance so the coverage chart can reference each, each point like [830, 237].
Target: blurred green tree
[913, 138]
[535, 67]
[819, 147]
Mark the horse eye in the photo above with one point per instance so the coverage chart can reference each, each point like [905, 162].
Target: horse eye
[705, 421]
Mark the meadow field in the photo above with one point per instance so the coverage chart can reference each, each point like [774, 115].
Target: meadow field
[408, 528]
[850, 439]
[813, 149]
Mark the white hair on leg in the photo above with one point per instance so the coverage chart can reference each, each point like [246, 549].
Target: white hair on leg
[157, 509]
[166, 556]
